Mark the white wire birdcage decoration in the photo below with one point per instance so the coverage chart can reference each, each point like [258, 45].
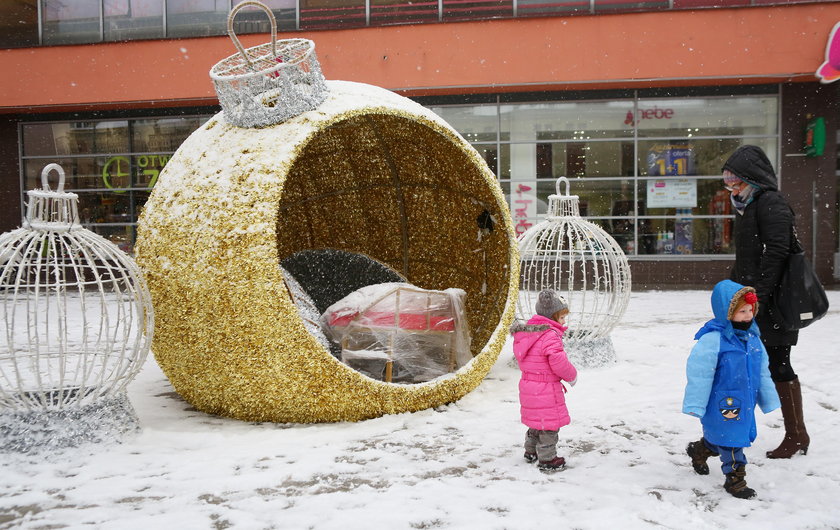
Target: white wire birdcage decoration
[77, 315]
[269, 83]
[580, 261]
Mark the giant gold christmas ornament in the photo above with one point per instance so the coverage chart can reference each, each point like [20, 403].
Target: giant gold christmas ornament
[368, 172]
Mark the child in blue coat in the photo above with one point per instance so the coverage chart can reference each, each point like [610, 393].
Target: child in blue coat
[728, 376]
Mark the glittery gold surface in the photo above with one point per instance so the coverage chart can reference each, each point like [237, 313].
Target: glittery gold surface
[368, 172]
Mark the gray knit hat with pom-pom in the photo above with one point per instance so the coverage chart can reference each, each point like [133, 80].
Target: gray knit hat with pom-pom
[549, 303]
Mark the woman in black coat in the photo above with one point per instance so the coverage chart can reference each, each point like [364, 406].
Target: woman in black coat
[763, 234]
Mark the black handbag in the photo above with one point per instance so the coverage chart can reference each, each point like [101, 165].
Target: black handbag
[799, 299]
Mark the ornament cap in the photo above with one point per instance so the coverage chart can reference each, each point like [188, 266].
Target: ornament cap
[56, 211]
[563, 205]
[270, 83]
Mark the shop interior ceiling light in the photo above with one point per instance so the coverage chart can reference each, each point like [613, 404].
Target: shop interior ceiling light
[78, 324]
[366, 172]
[269, 83]
[584, 264]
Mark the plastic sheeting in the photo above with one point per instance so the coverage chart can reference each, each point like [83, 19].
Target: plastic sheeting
[399, 333]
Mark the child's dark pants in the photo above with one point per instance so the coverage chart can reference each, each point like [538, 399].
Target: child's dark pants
[731, 457]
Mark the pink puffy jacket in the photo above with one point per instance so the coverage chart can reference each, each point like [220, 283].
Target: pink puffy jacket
[538, 347]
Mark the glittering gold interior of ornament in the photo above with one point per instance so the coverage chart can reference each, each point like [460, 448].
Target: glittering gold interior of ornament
[390, 181]
[401, 193]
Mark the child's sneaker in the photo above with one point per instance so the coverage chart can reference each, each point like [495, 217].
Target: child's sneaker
[555, 464]
[530, 457]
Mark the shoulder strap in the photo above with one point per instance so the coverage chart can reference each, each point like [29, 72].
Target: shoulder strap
[795, 245]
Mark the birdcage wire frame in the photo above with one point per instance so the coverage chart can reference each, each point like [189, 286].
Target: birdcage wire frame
[78, 323]
[268, 83]
[585, 265]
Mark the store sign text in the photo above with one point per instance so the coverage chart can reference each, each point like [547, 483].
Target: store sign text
[116, 171]
[649, 114]
[523, 204]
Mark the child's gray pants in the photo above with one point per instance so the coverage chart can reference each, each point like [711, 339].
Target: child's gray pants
[544, 443]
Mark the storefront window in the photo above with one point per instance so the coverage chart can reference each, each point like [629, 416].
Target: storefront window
[255, 20]
[162, 135]
[576, 120]
[122, 235]
[470, 9]
[647, 170]
[400, 11]
[39, 139]
[613, 6]
[322, 14]
[137, 19]
[541, 8]
[584, 159]
[702, 117]
[111, 137]
[71, 22]
[475, 123]
[504, 162]
[80, 173]
[598, 197]
[111, 164]
[75, 138]
[189, 18]
[88, 21]
[490, 154]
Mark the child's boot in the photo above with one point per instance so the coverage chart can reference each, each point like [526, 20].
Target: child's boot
[699, 453]
[736, 484]
[555, 464]
[530, 457]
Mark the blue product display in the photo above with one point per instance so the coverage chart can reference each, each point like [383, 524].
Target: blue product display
[683, 232]
[670, 160]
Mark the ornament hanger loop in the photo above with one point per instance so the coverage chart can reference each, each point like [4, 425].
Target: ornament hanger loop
[45, 184]
[563, 180]
[235, 39]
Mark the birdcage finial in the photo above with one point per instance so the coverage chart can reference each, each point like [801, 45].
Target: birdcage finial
[52, 210]
[269, 83]
[45, 174]
[563, 205]
[561, 180]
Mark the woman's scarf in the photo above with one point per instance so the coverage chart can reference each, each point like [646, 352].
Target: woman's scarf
[742, 199]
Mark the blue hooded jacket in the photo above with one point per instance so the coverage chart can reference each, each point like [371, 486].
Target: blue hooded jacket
[728, 375]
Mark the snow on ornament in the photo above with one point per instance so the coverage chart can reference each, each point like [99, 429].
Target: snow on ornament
[78, 323]
[366, 172]
[580, 261]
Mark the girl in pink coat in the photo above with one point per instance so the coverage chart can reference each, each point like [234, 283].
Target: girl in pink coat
[538, 347]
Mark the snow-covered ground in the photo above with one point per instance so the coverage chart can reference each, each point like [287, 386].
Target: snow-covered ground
[458, 466]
